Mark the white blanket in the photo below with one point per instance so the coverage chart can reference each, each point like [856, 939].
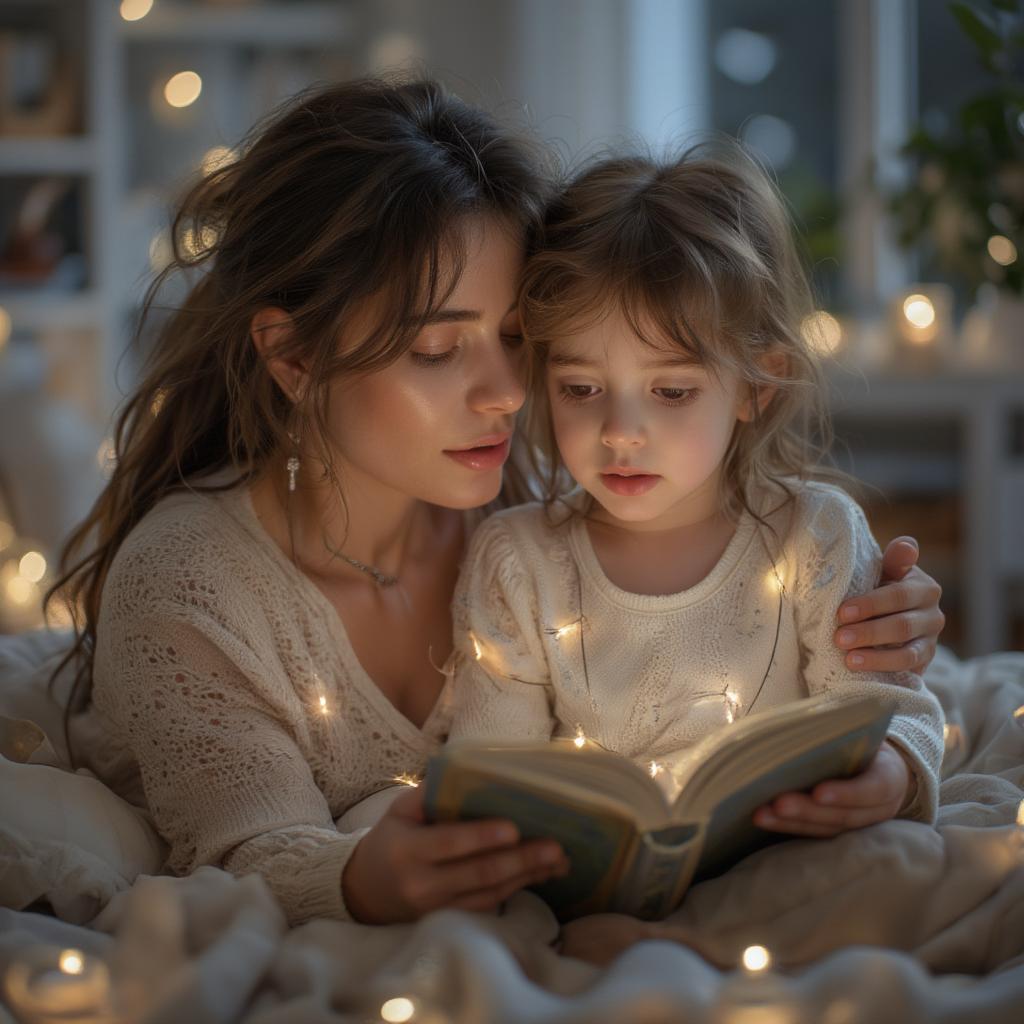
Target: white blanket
[899, 922]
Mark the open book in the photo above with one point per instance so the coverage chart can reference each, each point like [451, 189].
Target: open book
[631, 850]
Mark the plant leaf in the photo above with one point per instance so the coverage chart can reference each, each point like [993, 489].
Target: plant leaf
[979, 28]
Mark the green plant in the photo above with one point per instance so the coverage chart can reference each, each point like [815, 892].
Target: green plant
[966, 202]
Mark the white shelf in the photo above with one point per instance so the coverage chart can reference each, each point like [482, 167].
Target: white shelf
[47, 156]
[299, 25]
[45, 310]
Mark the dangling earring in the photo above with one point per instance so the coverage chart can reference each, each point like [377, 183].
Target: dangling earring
[292, 465]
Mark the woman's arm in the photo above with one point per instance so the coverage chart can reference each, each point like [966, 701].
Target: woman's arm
[895, 627]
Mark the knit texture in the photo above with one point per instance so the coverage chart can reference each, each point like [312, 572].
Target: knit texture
[213, 652]
[549, 645]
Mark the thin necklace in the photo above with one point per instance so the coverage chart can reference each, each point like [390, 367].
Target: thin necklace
[382, 579]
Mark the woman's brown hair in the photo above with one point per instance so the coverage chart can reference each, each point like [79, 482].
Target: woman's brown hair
[699, 252]
[348, 192]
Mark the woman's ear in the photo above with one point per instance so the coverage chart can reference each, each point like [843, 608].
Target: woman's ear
[270, 329]
[774, 364]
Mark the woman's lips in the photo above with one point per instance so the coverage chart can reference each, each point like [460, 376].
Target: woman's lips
[484, 456]
[631, 485]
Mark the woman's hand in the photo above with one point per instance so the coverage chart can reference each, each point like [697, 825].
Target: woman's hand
[895, 627]
[835, 806]
[403, 867]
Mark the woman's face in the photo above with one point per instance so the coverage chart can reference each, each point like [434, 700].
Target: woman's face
[435, 425]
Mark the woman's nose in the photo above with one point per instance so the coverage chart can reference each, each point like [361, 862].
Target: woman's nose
[499, 386]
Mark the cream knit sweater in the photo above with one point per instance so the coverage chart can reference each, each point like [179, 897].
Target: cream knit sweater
[550, 645]
[213, 652]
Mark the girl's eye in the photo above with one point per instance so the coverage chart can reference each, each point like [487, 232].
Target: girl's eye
[677, 396]
[511, 340]
[578, 392]
[434, 358]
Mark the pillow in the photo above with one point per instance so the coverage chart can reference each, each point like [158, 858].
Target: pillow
[68, 840]
[65, 838]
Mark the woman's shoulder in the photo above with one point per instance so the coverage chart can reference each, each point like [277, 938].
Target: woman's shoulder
[190, 536]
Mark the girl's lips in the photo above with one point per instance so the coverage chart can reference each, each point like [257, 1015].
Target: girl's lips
[630, 486]
[485, 456]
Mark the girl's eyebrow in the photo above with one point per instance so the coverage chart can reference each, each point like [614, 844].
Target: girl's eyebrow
[667, 361]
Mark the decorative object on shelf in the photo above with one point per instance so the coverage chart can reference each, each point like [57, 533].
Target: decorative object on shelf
[922, 319]
[36, 251]
[37, 92]
[992, 333]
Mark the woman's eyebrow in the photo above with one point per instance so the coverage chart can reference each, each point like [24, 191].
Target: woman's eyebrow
[453, 316]
[457, 316]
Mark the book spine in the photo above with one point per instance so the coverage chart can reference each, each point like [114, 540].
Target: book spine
[660, 871]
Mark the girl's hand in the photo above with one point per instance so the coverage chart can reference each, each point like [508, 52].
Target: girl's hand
[838, 805]
[895, 627]
[403, 867]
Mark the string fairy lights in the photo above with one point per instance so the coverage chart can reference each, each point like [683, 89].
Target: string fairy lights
[756, 959]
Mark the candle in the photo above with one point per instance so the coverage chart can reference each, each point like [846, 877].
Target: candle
[48, 984]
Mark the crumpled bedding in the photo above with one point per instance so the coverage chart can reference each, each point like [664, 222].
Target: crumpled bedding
[899, 922]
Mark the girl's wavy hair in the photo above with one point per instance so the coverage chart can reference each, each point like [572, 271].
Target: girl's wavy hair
[348, 192]
[697, 252]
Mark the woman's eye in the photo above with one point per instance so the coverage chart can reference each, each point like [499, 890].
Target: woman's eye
[433, 358]
[511, 340]
[677, 396]
[578, 392]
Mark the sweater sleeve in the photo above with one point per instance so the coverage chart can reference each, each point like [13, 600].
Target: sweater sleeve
[835, 557]
[201, 707]
[502, 685]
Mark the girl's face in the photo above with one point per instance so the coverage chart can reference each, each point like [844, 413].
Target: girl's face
[435, 425]
[641, 429]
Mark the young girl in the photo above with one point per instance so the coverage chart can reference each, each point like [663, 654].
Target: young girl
[695, 576]
[267, 576]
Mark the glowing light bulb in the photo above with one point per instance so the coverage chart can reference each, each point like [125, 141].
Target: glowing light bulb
[195, 243]
[580, 739]
[135, 10]
[397, 1011]
[919, 311]
[1019, 713]
[406, 779]
[106, 456]
[20, 591]
[1002, 250]
[732, 705]
[71, 962]
[5, 327]
[756, 958]
[323, 705]
[945, 733]
[217, 157]
[565, 630]
[774, 581]
[655, 769]
[477, 651]
[822, 332]
[183, 89]
[32, 566]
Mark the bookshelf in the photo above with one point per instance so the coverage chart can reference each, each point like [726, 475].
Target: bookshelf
[124, 157]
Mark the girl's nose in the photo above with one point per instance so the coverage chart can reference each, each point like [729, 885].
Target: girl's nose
[622, 432]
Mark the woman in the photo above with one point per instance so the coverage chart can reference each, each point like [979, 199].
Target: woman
[266, 603]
